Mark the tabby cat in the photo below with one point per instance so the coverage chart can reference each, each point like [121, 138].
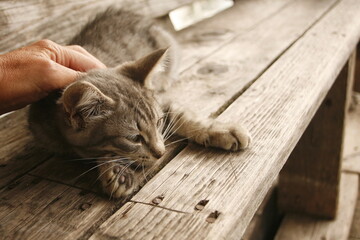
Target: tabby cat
[121, 115]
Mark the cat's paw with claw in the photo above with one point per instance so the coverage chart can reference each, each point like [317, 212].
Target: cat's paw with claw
[227, 136]
[117, 180]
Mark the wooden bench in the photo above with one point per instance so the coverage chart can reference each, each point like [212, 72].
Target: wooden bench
[279, 67]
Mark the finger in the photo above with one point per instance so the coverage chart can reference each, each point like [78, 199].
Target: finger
[86, 53]
[60, 77]
[78, 61]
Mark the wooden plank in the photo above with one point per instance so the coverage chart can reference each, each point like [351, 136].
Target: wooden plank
[351, 162]
[83, 173]
[266, 219]
[18, 154]
[355, 226]
[58, 171]
[214, 82]
[309, 181]
[35, 208]
[357, 71]
[306, 228]
[60, 20]
[276, 109]
[351, 80]
[247, 14]
[208, 36]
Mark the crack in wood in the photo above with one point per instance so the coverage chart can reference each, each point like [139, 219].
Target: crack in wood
[152, 205]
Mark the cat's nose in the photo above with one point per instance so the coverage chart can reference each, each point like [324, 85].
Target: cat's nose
[158, 151]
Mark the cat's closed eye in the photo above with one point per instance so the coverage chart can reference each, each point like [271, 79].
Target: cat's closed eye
[135, 138]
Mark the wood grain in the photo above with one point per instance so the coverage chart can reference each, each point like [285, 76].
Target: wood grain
[83, 174]
[352, 163]
[309, 181]
[357, 70]
[266, 220]
[35, 208]
[208, 36]
[215, 81]
[276, 108]
[355, 226]
[18, 153]
[251, 17]
[23, 22]
[296, 227]
[59, 171]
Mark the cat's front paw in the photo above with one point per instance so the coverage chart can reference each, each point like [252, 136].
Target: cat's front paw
[117, 180]
[227, 136]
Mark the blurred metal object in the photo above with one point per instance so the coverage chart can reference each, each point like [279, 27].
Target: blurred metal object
[195, 12]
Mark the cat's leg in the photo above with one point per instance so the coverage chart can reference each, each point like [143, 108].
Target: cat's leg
[117, 180]
[207, 132]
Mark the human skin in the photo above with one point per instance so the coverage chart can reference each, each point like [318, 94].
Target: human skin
[32, 72]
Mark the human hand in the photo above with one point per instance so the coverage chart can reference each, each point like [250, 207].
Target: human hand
[32, 72]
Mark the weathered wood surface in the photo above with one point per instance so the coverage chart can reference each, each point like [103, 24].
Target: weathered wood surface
[57, 171]
[215, 81]
[69, 174]
[355, 227]
[309, 181]
[357, 71]
[23, 22]
[211, 35]
[35, 208]
[237, 186]
[18, 154]
[266, 220]
[296, 227]
[351, 162]
[276, 108]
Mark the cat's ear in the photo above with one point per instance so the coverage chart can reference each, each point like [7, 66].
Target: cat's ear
[84, 103]
[140, 70]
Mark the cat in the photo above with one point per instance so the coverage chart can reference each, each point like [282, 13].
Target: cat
[121, 115]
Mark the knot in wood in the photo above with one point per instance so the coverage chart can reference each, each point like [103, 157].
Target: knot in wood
[211, 35]
[85, 206]
[213, 68]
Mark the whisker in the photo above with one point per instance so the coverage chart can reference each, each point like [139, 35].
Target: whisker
[167, 127]
[174, 131]
[91, 158]
[89, 170]
[170, 130]
[95, 168]
[170, 123]
[179, 140]
[111, 180]
[144, 172]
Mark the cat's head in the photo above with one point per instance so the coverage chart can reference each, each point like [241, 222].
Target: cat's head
[111, 112]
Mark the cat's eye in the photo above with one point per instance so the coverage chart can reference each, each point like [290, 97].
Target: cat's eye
[135, 138]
